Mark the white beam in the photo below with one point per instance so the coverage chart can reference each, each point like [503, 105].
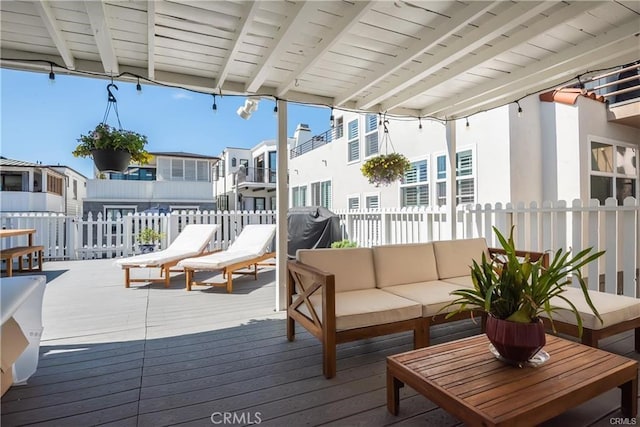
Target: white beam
[298, 13]
[554, 19]
[151, 39]
[622, 52]
[450, 134]
[425, 40]
[102, 35]
[340, 29]
[49, 19]
[486, 33]
[241, 32]
[282, 200]
[538, 75]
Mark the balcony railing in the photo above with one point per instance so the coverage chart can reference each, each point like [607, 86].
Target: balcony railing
[316, 141]
[261, 175]
[618, 85]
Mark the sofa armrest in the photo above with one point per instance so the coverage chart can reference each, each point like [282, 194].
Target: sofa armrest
[534, 256]
[303, 281]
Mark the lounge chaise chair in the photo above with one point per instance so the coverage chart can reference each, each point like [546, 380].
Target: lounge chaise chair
[191, 242]
[249, 249]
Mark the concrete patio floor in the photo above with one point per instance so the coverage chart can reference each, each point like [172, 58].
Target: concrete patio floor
[150, 356]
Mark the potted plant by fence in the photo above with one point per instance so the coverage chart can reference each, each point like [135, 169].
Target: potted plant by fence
[514, 291]
[147, 240]
[112, 149]
[385, 168]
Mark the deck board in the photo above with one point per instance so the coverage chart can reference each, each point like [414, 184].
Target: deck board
[150, 356]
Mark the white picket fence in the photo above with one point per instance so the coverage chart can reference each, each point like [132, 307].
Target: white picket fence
[551, 226]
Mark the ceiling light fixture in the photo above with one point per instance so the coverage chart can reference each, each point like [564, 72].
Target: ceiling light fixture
[52, 75]
[249, 107]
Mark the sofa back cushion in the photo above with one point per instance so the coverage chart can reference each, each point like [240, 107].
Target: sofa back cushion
[352, 267]
[403, 264]
[455, 257]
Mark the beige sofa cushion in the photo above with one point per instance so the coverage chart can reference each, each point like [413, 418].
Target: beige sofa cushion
[352, 267]
[461, 282]
[432, 296]
[612, 308]
[455, 257]
[367, 307]
[402, 264]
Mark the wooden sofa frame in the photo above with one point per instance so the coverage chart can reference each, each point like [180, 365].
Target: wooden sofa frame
[325, 330]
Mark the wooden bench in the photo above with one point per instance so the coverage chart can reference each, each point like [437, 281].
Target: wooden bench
[18, 252]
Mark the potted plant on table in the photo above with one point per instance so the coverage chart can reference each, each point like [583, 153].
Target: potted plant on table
[514, 291]
[385, 168]
[112, 149]
[147, 240]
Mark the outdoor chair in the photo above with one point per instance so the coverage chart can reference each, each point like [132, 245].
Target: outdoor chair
[248, 250]
[191, 242]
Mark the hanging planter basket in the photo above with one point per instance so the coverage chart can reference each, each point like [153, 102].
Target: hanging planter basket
[385, 168]
[109, 160]
[112, 149]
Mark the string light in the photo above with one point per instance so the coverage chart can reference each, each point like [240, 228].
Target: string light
[139, 87]
[52, 75]
[275, 109]
[214, 107]
[419, 124]
[467, 118]
[519, 109]
[379, 119]
[331, 118]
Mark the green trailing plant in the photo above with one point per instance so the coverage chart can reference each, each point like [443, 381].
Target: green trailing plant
[344, 243]
[517, 289]
[148, 236]
[385, 168]
[105, 137]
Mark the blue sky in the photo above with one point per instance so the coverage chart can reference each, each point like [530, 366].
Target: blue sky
[40, 122]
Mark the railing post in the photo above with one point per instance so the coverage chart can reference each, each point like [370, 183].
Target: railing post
[611, 238]
[628, 233]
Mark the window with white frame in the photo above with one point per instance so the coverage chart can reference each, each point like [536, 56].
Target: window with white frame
[614, 171]
[354, 203]
[353, 142]
[321, 194]
[299, 196]
[372, 201]
[338, 127]
[182, 170]
[371, 135]
[414, 190]
[465, 178]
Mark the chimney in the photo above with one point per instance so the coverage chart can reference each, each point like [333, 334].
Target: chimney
[302, 134]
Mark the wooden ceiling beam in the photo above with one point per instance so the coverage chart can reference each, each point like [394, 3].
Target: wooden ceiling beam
[151, 39]
[102, 36]
[50, 22]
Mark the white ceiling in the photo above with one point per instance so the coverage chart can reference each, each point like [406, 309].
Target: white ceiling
[428, 58]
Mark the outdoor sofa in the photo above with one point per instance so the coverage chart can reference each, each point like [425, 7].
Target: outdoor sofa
[343, 295]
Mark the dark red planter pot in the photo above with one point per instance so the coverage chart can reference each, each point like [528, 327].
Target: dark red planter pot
[516, 342]
[111, 160]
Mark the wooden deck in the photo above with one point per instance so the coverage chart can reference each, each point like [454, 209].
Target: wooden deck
[150, 356]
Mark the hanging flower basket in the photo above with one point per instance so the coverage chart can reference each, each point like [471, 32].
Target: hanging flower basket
[385, 168]
[112, 149]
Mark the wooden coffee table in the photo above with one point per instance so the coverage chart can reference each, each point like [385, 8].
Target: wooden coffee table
[466, 380]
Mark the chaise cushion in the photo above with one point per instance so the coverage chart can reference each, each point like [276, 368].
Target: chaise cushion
[432, 296]
[455, 257]
[367, 307]
[352, 267]
[402, 264]
[461, 281]
[612, 308]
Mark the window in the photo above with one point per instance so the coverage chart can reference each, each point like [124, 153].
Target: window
[75, 189]
[202, 170]
[54, 185]
[354, 203]
[414, 190]
[299, 196]
[614, 171]
[372, 202]
[321, 194]
[371, 135]
[234, 162]
[11, 181]
[177, 169]
[465, 180]
[338, 128]
[259, 204]
[353, 144]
